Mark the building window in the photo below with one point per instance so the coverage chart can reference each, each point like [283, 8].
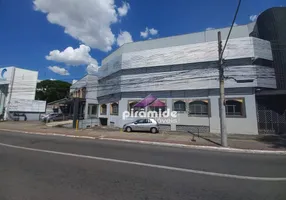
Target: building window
[234, 107]
[155, 106]
[142, 121]
[103, 109]
[131, 105]
[92, 110]
[199, 108]
[114, 109]
[179, 106]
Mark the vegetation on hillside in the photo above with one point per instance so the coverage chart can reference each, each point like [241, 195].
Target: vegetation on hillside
[52, 90]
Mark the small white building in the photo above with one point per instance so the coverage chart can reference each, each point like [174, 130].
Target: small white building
[17, 94]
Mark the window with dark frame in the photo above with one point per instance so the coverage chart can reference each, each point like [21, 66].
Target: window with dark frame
[114, 109]
[157, 109]
[234, 107]
[92, 109]
[131, 105]
[199, 108]
[103, 109]
[179, 106]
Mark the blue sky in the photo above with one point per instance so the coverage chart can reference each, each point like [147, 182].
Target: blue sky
[28, 36]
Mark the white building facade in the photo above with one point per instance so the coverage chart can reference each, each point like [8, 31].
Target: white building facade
[182, 72]
[17, 92]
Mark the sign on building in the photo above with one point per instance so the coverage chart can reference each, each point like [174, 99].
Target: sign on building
[25, 105]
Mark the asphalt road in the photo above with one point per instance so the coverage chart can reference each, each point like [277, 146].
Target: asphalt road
[34, 167]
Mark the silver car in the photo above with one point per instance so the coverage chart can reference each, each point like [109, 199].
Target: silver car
[52, 117]
[142, 125]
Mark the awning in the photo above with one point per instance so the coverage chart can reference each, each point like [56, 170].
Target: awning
[158, 103]
[146, 101]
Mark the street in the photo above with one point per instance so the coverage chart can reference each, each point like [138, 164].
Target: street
[37, 167]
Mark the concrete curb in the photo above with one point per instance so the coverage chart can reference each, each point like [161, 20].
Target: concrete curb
[209, 148]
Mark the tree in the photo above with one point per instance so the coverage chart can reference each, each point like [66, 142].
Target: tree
[52, 90]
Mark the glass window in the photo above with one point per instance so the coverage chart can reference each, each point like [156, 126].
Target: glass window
[103, 109]
[179, 106]
[199, 108]
[131, 105]
[146, 121]
[140, 121]
[234, 107]
[114, 109]
[92, 109]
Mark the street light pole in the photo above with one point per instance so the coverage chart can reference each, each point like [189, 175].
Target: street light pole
[221, 93]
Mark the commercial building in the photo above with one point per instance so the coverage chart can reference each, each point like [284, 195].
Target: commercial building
[17, 94]
[181, 72]
[271, 104]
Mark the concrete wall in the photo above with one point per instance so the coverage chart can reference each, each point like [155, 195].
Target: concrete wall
[91, 84]
[192, 38]
[246, 47]
[247, 125]
[25, 84]
[3, 95]
[79, 84]
[21, 84]
[157, 79]
[234, 125]
[33, 116]
[179, 68]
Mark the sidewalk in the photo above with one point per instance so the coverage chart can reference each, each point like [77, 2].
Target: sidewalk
[273, 143]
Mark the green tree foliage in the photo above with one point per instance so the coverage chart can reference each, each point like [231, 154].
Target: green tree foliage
[52, 90]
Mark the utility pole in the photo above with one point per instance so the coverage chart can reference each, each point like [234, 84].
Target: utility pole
[221, 93]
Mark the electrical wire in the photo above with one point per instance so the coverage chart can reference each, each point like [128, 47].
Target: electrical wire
[233, 21]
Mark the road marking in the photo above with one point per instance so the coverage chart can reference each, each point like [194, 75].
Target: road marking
[149, 165]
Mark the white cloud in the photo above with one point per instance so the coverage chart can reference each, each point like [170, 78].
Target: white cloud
[209, 28]
[148, 31]
[59, 70]
[74, 57]
[235, 24]
[145, 33]
[124, 37]
[123, 10]
[92, 69]
[71, 56]
[253, 17]
[153, 31]
[88, 22]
